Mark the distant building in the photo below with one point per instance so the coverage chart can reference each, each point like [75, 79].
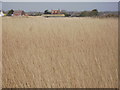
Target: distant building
[55, 12]
[26, 15]
[18, 13]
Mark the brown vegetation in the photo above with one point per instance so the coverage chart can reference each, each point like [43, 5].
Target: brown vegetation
[60, 52]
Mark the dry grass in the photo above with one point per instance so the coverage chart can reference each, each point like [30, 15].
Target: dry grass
[0, 52]
[60, 52]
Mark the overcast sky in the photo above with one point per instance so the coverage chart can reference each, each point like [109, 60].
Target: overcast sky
[69, 6]
[59, 0]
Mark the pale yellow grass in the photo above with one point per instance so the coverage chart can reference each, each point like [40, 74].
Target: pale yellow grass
[0, 52]
[60, 52]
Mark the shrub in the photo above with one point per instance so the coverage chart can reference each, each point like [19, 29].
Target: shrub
[10, 12]
[47, 12]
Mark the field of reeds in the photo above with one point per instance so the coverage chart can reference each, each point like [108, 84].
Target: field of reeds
[59, 52]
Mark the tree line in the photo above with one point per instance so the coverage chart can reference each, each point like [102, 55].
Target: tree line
[92, 13]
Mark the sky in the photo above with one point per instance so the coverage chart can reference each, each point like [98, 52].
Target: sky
[69, 6]
[60, 0]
